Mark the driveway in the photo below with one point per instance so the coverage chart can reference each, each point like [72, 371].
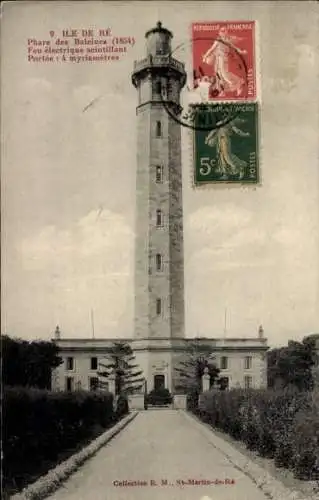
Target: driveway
[160, 455]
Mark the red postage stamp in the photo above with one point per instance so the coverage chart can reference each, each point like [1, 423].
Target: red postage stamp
[224, 59]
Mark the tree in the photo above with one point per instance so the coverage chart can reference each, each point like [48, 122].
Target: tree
[27, 363]
[120, 363]
[191, 370]
[291, 366]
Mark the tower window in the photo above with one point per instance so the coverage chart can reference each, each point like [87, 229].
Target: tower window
[159, 48]
[158, 87]
[159, 173]
[159, 264]
[159, 218]
[158, 306]
[158, 129]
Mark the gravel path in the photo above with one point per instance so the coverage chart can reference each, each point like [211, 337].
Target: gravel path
[163, 452]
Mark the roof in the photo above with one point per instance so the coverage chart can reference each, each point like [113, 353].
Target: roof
[159, 29]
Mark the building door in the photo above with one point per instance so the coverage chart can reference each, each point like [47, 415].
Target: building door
[159, 382]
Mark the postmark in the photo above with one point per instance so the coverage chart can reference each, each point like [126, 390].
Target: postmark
[192, 104]
[198, 89]
[228, 153]
[224, 60]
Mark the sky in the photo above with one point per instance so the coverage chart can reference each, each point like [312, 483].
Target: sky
[68, 180]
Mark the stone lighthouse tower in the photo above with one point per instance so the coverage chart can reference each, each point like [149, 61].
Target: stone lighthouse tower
[159, 342]
[159, 263]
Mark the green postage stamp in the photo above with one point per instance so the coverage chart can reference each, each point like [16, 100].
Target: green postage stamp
[226, 143]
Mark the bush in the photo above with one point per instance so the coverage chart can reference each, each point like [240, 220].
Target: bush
[283, 425]
[159, 397]
[122, 407]
[39, 425]
[28, 364]
[192, 401]
[305, 445]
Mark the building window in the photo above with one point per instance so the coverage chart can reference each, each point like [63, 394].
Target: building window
[70, 364]
[94, 363]
[158, 306]
[69, 383]
[224, 363]
[248, 382]
[158, 87]
[158, 129]
[159, 174]
[248, 362]
[159, 218]
[94, 383]
[159, 264]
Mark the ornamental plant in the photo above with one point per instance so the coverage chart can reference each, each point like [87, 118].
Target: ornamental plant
[40, 427]
[159, 397]
[281, 424]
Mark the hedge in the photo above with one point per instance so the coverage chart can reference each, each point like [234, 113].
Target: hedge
[283, 425]
[159, 397]
[39, 425]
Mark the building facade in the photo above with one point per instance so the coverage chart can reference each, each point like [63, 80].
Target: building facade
[159, 342]
[242, 361]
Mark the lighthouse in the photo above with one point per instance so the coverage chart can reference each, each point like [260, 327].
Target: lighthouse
[158, 341]
[159, 257]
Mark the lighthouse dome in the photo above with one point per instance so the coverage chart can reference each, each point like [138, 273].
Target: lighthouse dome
[158, 41]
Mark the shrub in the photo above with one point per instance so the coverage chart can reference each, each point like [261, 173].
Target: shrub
[287, 405]
[122, 407]
[283, 425]
[267, 414]
[159, 397]
[192, 401]
[39, 425]
[305, 445]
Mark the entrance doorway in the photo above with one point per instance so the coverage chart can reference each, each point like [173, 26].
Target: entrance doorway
[159, 382]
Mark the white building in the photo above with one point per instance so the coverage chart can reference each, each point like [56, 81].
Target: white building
[242, 361]
[159, 338]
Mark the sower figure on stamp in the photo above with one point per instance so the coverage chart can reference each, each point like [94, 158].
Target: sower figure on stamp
[227, 162]
[218, 56]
